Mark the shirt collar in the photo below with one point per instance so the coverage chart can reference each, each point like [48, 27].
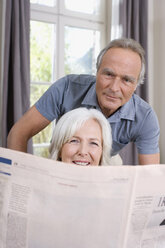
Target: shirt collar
[91, 99]
[127, 111]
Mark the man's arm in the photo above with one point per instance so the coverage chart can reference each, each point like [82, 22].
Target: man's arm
[31, 123]
[149, 158]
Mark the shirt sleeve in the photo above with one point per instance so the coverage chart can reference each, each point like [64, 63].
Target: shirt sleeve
[49, 104]
[147, 141]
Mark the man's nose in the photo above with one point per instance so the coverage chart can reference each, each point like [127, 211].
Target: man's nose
[115, 83]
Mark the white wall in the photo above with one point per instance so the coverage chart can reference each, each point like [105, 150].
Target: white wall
[157, 65]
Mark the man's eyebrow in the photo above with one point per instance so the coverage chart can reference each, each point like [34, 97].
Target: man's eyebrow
[108, 70]
[128, 77]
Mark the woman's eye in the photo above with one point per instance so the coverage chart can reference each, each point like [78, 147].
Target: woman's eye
[94, 143]
[73, 141]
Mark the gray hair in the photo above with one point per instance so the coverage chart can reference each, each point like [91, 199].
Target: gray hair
[70, 122]
[125, 43]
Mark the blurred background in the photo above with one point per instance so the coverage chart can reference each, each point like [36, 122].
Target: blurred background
[43, 40]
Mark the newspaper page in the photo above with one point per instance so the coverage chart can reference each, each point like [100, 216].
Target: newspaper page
[146, 220]
[44, 203]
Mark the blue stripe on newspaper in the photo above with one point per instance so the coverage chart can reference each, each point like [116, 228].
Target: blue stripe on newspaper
[5, 173]
[5, 160]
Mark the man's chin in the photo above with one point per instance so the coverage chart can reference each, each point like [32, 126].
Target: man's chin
[110, 109]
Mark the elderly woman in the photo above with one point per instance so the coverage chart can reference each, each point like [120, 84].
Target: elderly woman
[83, 137]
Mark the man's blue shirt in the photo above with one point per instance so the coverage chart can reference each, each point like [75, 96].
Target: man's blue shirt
[134, 122]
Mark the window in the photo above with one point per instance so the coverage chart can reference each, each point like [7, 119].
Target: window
[66, 37]
[116, 29]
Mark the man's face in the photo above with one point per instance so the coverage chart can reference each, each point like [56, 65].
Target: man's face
[117, 78]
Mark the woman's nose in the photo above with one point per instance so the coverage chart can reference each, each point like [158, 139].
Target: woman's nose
[83, 149]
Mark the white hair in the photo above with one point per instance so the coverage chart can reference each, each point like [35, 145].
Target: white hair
[70, 122]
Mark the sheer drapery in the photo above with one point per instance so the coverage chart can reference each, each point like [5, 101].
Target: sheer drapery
[134, 22]
[16, 79]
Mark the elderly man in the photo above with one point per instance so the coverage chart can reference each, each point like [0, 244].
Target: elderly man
[120, 69]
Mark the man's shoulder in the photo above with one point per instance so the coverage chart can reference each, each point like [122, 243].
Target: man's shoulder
[143, 109]
[81, 78]
[73, 81]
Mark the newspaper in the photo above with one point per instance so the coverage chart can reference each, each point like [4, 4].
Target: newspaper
[49, 204]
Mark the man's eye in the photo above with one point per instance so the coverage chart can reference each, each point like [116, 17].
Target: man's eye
[109, 74]
[128, 80]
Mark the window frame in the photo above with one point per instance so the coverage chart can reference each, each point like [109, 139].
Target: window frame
[60, 16]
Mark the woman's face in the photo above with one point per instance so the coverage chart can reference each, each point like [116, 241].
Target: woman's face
[85, 147]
